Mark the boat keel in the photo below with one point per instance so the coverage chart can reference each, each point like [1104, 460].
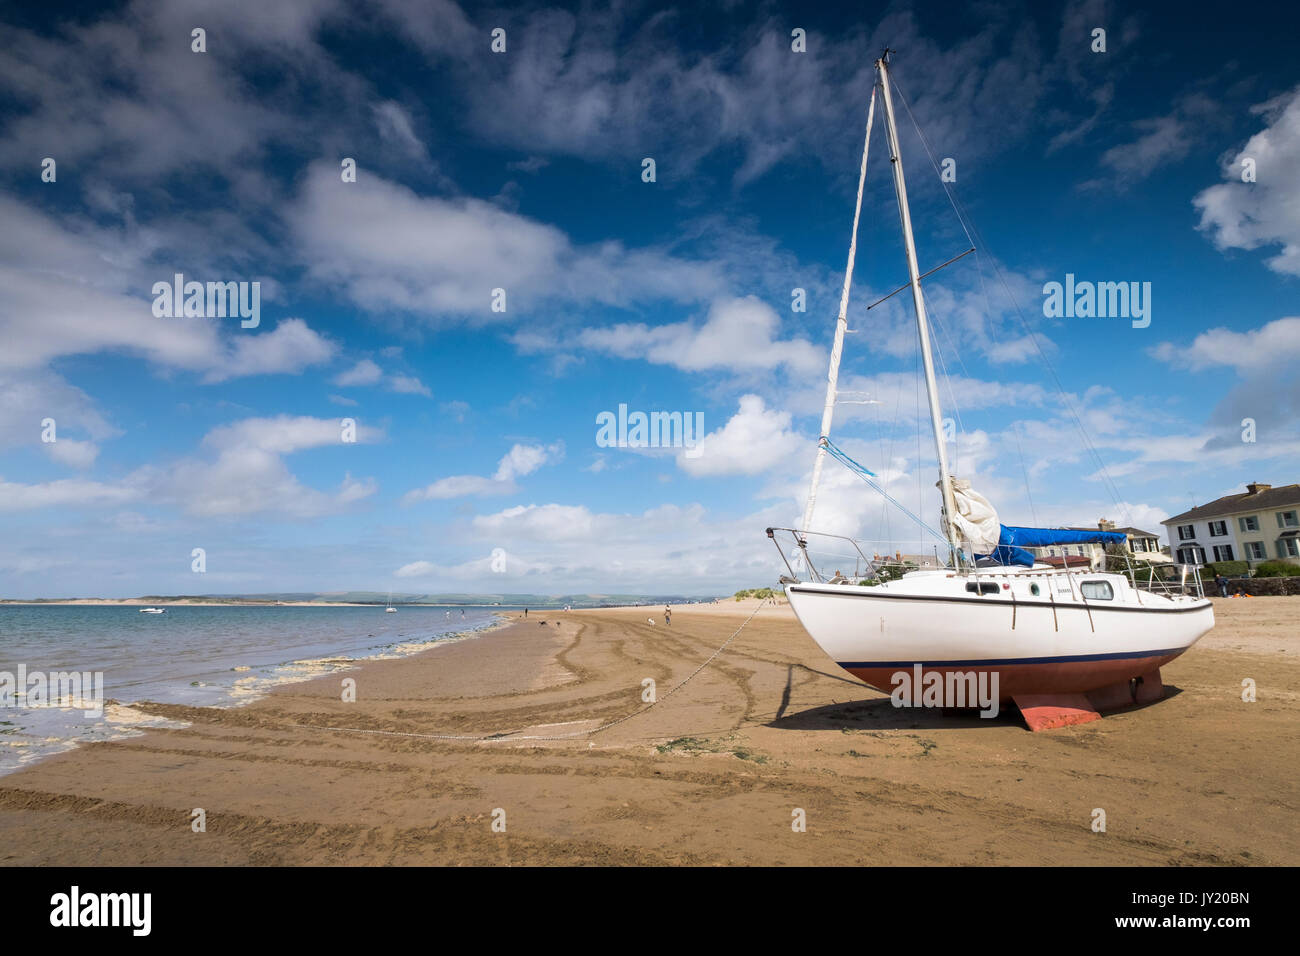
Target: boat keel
[1051, 711]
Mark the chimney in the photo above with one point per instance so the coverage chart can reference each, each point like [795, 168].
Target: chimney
[1256, 487]
[1105, 524]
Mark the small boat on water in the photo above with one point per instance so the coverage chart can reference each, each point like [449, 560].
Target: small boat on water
[390, 609]
[1063, 644]
[153, 610]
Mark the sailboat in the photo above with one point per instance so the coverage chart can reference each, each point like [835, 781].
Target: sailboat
[1062, 644]
[390, 609]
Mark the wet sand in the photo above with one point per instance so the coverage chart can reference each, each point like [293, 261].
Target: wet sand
[711, 775]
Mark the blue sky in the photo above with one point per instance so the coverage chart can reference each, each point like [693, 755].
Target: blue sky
[522, 170]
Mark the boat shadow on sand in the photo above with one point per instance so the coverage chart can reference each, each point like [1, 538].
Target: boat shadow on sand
[881, 714]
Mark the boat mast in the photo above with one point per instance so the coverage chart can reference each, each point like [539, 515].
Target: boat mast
[841, 326]
[918, 301]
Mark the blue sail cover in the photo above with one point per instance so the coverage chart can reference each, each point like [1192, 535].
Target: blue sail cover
[1012, 542]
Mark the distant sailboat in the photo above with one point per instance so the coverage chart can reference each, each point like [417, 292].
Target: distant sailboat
[153, 610]
[390, 609]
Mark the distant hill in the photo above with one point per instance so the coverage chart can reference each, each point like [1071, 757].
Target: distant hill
[382, 598]
[526, 600]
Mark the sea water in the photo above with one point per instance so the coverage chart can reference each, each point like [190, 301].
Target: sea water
[198, 655]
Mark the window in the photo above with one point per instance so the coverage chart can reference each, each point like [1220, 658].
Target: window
[1033, 589]
[1249, 524]
[1255, 550]
[1287, 519]
[1191, 555]
[1097, 591]
[1223, 552]
[982, 588]
[1186, 532]
[1218, 529]
[1287, 548]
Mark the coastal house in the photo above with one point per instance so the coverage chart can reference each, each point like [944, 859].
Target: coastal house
[1143, 545]
[1262, 524]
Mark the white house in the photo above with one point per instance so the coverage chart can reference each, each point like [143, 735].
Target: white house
[1143, 545]
[1261, 525]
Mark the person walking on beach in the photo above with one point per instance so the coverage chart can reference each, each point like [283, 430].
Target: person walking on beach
[1222, 582]
[668, 615]
[525, 612]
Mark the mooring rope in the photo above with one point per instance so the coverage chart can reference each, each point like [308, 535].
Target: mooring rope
[514, 735]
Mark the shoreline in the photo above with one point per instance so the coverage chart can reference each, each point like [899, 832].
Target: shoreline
[141, 602]
[709, 776]
[121, 720]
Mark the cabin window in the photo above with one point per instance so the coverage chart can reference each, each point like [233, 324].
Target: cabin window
[1097, 591]
[1033, 589]
[983, 588]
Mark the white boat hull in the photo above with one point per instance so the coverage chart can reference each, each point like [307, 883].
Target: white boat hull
[1049, 643]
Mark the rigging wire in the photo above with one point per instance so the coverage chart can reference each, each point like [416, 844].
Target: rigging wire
[1107, 481]
[869, 477]
[1024, 471]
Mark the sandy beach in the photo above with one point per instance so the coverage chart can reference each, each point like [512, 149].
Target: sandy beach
[710, 775]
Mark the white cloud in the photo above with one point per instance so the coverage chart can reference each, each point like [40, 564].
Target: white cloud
[1161, 139]
[283, 434]
[288, 349]
[737, 334]
[396, 129]
[551, 522]
[523, 460]
[550, 547]
[364, 372]
[28, 397]
[455, 409]
[519, 461]
[566, 93]
[443, 257]
[1241, 215]
[136, 84]
[248, 475]
[65, 493]
[1272, 345]
[73, 453]
[753, 440]
[66, 291]
[408, 385]
[459, 486]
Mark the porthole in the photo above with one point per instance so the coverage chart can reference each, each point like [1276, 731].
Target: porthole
[1033, 589]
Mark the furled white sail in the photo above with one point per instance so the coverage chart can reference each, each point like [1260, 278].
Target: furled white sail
[975, 519]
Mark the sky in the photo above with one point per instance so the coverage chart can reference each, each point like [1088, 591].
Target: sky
[418, 406]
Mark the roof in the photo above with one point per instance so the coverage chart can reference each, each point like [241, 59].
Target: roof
[1242, 504]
